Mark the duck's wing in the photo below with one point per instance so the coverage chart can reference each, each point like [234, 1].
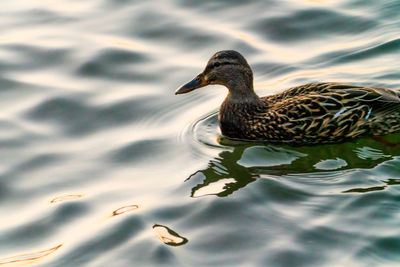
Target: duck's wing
[331, 96]
[306, 89]
[330, 110]
[380, 101]
[313, 88]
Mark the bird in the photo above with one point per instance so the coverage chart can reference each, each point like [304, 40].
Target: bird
[314, 113]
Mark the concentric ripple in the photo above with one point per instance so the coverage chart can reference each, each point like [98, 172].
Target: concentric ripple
[203, 135]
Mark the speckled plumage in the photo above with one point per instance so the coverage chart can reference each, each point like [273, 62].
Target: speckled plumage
[307, 114]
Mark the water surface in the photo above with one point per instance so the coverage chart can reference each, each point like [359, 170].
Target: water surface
[102, 165]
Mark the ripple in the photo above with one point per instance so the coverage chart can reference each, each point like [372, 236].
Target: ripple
[29, 57]
[159, 26]
[203, 135]
[44, 16]
[41, 226]
[304, 25]
[77, 117]
[206, 130]
[210, 5]
[383, 250]
[389, 47]
[138, 151]
[99, 244]
[29, 258]
[116, 64]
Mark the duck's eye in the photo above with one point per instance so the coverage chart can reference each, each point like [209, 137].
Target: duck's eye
[217, 64]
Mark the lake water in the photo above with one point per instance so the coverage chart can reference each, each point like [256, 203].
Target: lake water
[102, 165]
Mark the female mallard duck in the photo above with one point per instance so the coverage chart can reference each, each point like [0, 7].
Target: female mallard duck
[307, 114]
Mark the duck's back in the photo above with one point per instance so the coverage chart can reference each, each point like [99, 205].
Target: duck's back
[322, 113]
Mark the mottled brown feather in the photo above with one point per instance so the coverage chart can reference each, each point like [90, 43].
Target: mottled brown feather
[315, 113]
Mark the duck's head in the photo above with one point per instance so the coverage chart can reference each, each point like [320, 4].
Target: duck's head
[228, 68]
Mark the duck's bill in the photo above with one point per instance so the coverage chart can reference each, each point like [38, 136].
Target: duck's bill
[196, 83]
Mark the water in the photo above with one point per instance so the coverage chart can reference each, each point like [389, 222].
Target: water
[102, 165]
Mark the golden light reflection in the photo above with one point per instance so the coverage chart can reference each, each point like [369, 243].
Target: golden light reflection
[66, 198]
[317, 1]
[135, 44]
[213, 188]
[168, 236]
[27, 258]
[124, 209]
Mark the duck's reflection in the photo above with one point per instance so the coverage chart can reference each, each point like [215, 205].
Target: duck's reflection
[223, 175]
[169, 236]
[374, 188]
[124, 209]
[234, 169]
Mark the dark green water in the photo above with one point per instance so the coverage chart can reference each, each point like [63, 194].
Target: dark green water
[102, 165]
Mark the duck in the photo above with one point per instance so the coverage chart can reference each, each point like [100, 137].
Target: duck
[314, 113]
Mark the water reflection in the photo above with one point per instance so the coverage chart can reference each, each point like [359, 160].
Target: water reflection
[28, 258]
[66, 198]
[169, 236]
[124, 209]
[374, 188]
[226, 169]
[235, 168]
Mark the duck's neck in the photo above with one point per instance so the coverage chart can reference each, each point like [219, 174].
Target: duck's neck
[238, 108]
[241, 91]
